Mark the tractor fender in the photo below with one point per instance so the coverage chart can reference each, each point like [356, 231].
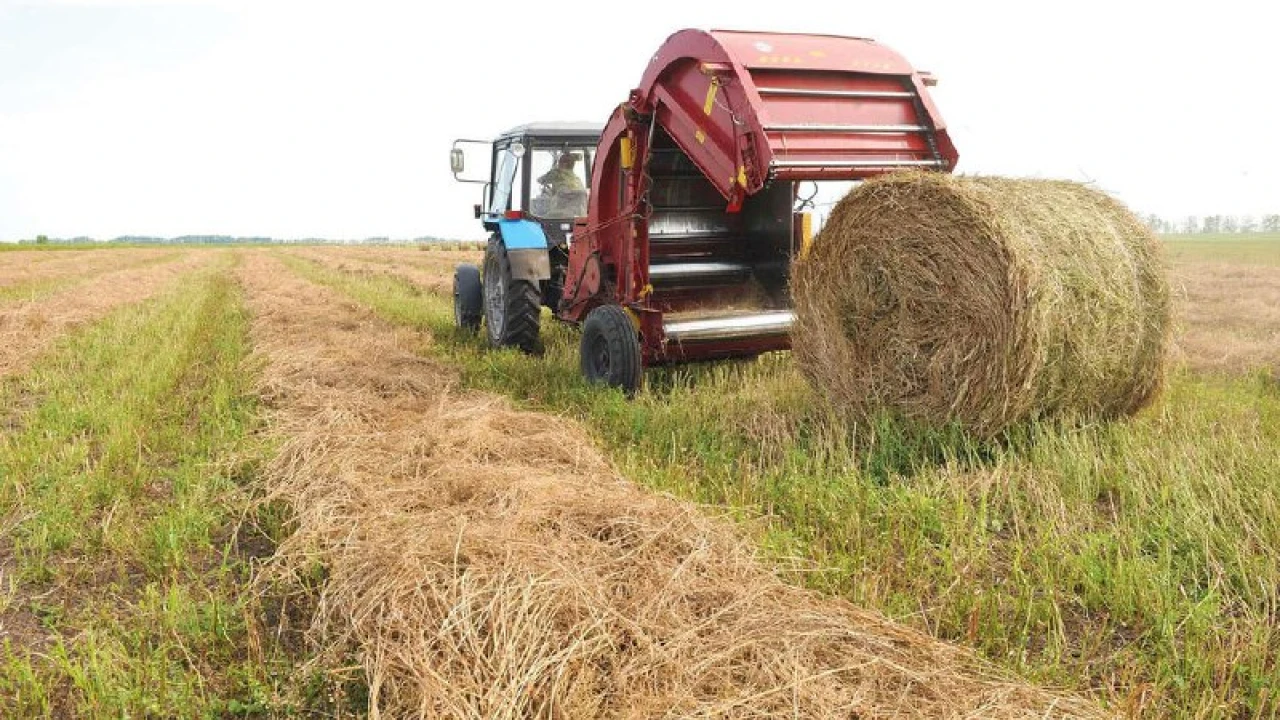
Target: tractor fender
[526, 246]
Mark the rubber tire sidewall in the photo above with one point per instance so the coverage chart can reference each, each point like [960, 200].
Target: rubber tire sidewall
[468, 298]
[612, 325]
[522, 307]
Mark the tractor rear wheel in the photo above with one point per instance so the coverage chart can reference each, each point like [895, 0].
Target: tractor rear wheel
[610, 350]
[512, 308]
[468, 298]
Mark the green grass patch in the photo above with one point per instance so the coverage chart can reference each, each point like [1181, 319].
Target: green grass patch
[1139, 559]
[1248, 248]
[121, 482]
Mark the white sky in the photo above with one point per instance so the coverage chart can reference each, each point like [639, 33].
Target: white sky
[294, 119]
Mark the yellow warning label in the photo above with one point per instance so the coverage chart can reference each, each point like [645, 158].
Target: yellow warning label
[806, 233]
[628, 158]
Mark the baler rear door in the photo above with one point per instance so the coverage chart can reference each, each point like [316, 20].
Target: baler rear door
[836, 108]
[822, 124]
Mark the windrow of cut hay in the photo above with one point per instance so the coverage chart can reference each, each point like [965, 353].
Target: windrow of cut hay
[481, 562]
[19, 267]
[982, 301]
[29, 327]
[428, 276]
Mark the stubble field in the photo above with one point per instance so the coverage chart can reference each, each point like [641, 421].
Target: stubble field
[263, 482]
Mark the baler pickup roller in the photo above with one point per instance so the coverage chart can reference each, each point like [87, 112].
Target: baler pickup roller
[730, 327]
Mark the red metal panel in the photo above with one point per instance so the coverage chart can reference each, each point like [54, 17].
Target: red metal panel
[746, 109]
[813, 52]
[692, 352]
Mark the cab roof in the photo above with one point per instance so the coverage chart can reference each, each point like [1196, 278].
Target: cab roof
[556, 129]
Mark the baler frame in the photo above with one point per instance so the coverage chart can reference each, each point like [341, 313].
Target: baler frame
[693, 191]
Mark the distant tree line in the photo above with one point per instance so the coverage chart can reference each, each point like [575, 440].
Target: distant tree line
[1215, 224]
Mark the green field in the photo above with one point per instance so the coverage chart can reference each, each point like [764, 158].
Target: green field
[1253, 249]
[1137, 561]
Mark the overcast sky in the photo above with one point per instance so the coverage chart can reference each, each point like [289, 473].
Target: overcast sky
[335, 119]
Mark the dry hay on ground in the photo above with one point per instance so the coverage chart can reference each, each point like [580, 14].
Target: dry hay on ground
[422, 258]
[1228, 316]
[983, 301]
[487, 563]
[28, 328]
[19, 267]
[428, 259]
[431, 275]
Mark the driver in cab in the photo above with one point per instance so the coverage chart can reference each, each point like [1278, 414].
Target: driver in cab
[567, 194]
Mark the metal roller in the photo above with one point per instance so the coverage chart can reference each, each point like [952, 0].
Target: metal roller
[730, 327]
[670, 272]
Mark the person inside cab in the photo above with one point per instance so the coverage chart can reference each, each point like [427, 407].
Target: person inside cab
[566, 194]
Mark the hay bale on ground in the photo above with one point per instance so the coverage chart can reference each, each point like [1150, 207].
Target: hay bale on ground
[984, 301]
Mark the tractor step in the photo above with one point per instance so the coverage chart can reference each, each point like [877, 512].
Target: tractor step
[739, 326]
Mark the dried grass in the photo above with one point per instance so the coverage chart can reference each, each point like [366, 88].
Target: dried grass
[28, 328]
[434, 275]
[984, 301]
[1228, 316]
[482, 562]
[23, 267]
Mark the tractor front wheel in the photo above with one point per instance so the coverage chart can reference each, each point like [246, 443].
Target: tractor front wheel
[610, 350]
[512, 308]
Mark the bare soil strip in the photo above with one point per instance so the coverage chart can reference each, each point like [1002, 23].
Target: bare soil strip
[486, 563]
[28, 328]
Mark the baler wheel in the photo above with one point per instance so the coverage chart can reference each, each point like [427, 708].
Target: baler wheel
[512, 308]
[610, 350]
[468, 298]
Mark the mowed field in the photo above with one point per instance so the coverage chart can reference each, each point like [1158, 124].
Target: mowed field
[263, 482]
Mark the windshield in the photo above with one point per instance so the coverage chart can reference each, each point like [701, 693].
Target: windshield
[508, 163]
[560, 178]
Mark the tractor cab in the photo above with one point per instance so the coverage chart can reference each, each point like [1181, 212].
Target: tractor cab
[540, 172]
[538, 184]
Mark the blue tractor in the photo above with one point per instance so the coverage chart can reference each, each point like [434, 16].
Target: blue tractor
[539, 178]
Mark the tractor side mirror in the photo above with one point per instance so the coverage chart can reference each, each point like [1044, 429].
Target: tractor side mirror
[458, 159]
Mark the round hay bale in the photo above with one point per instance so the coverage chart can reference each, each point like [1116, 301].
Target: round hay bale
[983, 301]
